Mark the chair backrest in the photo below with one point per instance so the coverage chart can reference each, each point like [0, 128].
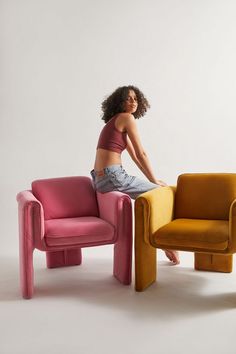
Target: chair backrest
[205, 195]
[66, 197]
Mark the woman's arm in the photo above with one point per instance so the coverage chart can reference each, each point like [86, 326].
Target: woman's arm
[136, 151]
[133, 156]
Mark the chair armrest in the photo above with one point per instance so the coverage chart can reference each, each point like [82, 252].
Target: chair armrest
[232, 227]
[31, 217]
[155, 209]
[112, 206]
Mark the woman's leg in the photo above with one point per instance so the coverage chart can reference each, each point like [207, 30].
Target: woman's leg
[173, 256]
[134, 186]
[115, 178]
[121, 181]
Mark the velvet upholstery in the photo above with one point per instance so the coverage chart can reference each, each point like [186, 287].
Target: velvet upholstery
[205, 196]
[62, 215]
[196, 215]
[68, 192]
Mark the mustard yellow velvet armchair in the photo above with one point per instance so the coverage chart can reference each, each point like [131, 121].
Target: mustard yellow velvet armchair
[198, 215]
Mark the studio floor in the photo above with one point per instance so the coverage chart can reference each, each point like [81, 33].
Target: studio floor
[83, 309]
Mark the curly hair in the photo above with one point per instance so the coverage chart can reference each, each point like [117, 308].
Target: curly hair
[114, 103]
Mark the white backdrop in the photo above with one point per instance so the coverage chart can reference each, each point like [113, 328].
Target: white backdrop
[60, 58]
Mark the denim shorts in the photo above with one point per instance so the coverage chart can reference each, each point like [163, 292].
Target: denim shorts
[115, 178]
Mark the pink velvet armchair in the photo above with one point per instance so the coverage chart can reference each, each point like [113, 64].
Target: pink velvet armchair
[62, 215]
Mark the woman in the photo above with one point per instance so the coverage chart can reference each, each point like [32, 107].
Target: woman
[120, 111]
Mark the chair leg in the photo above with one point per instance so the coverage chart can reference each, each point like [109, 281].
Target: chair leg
[145, 253]
[145, 265]
[213, 262]
[122, 264]
[26, 250]
[64, 258]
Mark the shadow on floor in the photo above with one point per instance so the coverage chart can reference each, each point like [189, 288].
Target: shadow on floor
[179, 291]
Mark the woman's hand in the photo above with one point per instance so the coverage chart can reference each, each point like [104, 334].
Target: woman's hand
[161, 183]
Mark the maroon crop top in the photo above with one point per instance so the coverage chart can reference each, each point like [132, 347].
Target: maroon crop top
[111, 138]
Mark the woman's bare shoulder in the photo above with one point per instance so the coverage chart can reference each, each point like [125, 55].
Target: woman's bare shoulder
[124, 116]
[123, 121]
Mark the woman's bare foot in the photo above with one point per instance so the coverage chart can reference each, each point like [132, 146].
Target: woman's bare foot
[173, 256]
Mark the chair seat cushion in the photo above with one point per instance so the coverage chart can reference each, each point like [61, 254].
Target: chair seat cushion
[84, 231]
[193, 233]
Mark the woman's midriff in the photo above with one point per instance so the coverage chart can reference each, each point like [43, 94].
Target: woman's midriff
[105, 158]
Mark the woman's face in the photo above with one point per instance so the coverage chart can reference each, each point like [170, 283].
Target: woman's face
[131, 102]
